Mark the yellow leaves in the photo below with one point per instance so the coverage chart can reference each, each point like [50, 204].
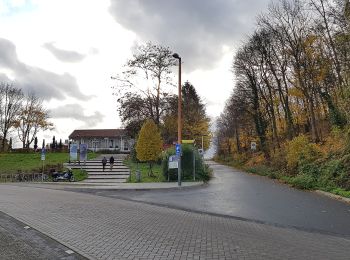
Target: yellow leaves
[295, 92]
[149, 143]
[299, 149]
[334, 142]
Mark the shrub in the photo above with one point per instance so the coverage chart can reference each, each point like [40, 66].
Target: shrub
[301, 150]
[107, 151]
[304, 181]
[334, 144]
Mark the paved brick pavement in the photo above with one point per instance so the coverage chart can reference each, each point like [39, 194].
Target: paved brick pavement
[18, 243]
[106, 228]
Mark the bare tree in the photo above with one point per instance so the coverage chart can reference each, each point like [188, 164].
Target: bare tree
[32, 118]
[10, 105]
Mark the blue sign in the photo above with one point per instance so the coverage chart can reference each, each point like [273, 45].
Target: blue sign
[178, 149]
[73, 152]
[43, 152]
[83, 152]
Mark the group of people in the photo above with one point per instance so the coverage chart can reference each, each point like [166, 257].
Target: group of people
[104, 162]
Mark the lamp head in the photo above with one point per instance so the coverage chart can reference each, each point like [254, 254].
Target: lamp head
[176, 56]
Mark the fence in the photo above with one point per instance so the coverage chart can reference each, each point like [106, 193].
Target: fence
[23, 177]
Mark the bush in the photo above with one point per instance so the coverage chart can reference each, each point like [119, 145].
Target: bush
[107, 151]
[278, 159]
[301, 150]
[304, 181]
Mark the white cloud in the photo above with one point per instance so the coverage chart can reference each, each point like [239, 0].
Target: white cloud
[203, 34]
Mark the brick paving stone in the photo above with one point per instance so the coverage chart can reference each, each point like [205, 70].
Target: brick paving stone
[107, 228]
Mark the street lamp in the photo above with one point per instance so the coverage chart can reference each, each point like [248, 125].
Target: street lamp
[179, 125]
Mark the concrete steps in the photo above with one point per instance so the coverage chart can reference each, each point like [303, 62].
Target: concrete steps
[105, 181]
[118, 174]
[108, 177]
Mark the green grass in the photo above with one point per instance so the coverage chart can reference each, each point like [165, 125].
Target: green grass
[79, 175]
[341, 192]
[144, 168]
[31, 162]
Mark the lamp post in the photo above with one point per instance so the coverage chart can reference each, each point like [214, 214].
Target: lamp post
[179, 124]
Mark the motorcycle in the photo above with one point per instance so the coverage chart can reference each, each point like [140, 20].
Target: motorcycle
[63, 176]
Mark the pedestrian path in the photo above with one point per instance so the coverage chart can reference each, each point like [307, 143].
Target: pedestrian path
[119, 173]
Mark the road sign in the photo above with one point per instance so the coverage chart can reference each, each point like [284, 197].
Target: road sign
[178, 149]
[253, 146]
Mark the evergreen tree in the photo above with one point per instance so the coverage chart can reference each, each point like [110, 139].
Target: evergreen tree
[10, 144]
[195, 120]
[35, 143]
[43, 146]
[60, 145]
[53, 143]
[149, 144]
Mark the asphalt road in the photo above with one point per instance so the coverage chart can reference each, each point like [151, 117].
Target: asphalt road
[241, 195]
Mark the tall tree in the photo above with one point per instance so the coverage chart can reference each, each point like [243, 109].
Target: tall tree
[143, 84]
[10, 105]
[195, 120]
[149, 144]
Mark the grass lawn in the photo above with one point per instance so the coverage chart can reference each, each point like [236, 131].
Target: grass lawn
[31, 162]
[144, 168]
[79, 175]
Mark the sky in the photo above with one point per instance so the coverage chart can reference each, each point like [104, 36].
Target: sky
[67, 51]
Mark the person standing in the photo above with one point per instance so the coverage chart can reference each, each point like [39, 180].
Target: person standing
[104, 162]
[111, 162]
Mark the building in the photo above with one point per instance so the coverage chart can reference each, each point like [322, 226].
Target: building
[103, 139]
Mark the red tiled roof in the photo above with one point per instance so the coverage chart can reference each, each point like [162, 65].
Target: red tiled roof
[97, 133]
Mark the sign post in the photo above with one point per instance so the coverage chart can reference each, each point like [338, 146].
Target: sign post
[178, 154]
[194, 164]
[173, 163]
[43, 155]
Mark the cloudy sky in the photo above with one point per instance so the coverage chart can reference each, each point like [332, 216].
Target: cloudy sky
[66, 51]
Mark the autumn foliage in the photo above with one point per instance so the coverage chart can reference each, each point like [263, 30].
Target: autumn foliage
[149, 143]
[292, 92]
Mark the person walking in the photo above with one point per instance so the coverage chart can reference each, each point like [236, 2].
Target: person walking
[111, 162]
[104, 162]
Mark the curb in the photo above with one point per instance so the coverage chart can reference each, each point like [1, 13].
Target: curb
[333, 196]
[106, 186]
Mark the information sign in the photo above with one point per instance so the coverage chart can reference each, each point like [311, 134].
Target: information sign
[173, 162]
[83, 152]
[73, 153]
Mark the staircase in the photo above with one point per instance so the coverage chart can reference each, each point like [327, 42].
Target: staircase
[94, 169]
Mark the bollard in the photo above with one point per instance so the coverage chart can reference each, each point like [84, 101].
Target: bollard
[138, 176]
